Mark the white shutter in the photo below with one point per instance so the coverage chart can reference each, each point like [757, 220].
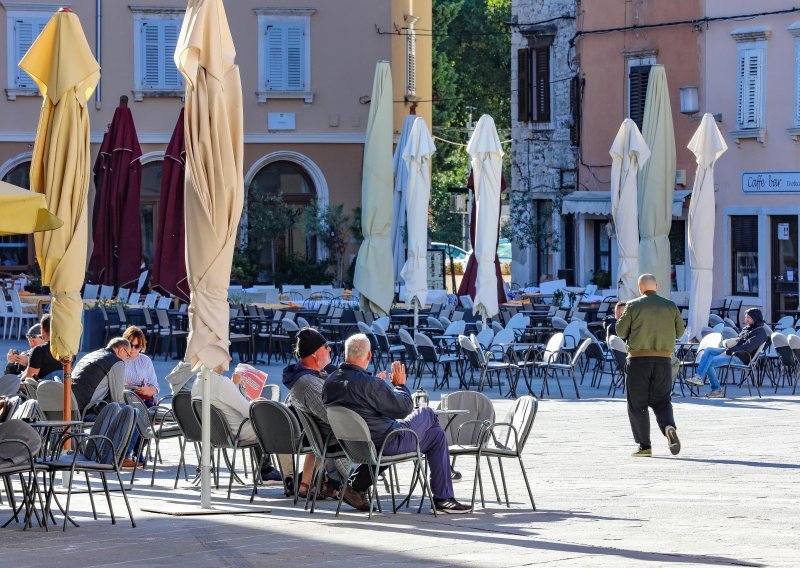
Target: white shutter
[285, 56]
[172, 78]
[411, 62]
[25, 31]
[150, 54]
[276, 79]
[295, 42]
[158, 41]
[750, 91]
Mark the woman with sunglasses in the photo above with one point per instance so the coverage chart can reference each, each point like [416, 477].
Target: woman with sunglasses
[140, 375]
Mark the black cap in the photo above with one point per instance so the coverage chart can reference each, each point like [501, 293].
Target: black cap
[308, 341]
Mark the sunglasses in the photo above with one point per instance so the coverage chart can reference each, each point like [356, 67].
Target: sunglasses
[135, 346]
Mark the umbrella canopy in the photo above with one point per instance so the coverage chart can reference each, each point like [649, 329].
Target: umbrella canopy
[487, 164]
[116, 229]
[467, 286]
[24, 212]
[628, 152]
[62, 64]
[417, 155]
[374, 276]
[707, 145]
[657, 182]
[401, 174]
[169, 259]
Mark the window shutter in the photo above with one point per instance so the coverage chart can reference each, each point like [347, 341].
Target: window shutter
[411, 62]
[25, 31]
[744, 233]
[295, 75]
[523, 85]
[637, 92]
[797, 83]
[749, 91]
[275, 42]
[575, 110]
[151, 57]
[541, 84]
[172, 78]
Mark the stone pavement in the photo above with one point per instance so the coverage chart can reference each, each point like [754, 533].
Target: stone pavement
[730, 498]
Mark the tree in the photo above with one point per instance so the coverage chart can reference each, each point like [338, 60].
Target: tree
[267, 216]
[333, 226]
[528, 227]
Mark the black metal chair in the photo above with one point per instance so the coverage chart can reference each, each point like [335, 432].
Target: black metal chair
[19, 443]
[152, 425]
[190, 427]
[322, 449]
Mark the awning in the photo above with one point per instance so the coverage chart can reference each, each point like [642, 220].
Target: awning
[599, 202]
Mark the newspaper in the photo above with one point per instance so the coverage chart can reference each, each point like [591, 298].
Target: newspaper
[253, 380]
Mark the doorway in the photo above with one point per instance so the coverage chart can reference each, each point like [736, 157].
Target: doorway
[785, 285]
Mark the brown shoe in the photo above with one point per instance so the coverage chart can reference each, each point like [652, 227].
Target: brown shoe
[129, 463]
[356, 499]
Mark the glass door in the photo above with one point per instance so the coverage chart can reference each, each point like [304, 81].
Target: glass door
[784, 266]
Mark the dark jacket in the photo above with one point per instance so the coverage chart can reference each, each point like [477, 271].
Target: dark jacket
[650, 324]
[90, 371]
[306, 393]
[372, 398]
[750, 339]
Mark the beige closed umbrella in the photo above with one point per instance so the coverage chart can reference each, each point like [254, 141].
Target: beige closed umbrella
[628, 152]
[657, 182]
[66, 72]
[374, 275]
[213, 127]
[707, 145]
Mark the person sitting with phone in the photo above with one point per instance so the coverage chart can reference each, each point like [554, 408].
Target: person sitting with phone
[41, 362]
[140, 375]
[17, 362]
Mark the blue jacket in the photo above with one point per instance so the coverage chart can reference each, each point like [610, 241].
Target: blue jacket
[372, 398]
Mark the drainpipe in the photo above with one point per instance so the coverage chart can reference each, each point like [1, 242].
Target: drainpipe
[98, 49]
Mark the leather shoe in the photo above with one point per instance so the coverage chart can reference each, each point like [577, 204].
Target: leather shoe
[130, 463]
[356, 499]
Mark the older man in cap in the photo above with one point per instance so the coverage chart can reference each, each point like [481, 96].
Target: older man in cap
[17, 362]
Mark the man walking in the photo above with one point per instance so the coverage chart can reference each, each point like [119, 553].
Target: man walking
[650, 324]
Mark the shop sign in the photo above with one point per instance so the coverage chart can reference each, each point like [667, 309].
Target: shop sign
[771, 182]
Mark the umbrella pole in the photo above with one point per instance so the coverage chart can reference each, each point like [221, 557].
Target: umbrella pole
[415, 302]
[67, 363]
[205, 445]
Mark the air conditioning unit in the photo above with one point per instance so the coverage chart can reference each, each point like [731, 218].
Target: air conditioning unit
[459, 204]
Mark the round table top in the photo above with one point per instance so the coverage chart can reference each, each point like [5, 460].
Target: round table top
[451, 411]
[54, 423]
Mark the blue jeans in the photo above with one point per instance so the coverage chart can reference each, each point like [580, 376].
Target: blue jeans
[712, 358]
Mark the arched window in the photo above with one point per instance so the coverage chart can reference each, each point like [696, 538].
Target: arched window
[292, 183]
[148, 207]
[17, 251]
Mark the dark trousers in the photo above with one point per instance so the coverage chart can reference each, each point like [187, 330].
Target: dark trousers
[649, 382]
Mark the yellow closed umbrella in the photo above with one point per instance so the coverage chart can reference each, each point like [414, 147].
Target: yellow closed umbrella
[214, 195]
[62, 64]
[24, 212]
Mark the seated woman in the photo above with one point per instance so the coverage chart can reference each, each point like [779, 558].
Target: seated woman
[140, 375]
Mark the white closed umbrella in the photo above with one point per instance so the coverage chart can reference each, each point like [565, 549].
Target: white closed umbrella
[417, 156]
[657, 182]
[487, 164]
[628, 152]
[399, 222]
[374, 276]
[707, 145]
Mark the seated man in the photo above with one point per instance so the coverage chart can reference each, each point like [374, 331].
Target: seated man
[235, 408]
[306, 379]
[610, 322]
[752, 336]
[42, 362]
[382, 406]
[17, 362]
[100, 375]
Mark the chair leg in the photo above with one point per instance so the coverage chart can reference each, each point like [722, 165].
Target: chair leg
[494, 481]
[232, 466]
[503, 479]
[475, 481]
[91, 497]
[341, 493]
[108, 497]
[527, 484]
[124, 495]
[255, 477]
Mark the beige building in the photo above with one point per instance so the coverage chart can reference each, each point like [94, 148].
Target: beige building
[307, 68]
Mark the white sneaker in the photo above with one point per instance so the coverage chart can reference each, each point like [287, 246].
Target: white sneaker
[695, 381]
[719, 393]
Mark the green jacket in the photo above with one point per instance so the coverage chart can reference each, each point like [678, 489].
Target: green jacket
[650, 324]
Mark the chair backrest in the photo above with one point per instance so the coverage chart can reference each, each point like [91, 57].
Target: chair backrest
[9, 385]
[123, 295]
[184, 416]
[106, 292]
[572, 334]
[276, 427]
[480, 408]
[466, 301]
[553, 347]
[151, 299]
[90, 291]
[521, 416]
[353, 435]
[221, 435]
[731, 324]
[518, 321]
[470, 350]
[383, 322]
[366, 330]
[435, 323]
[457, 315]
[714, 319]
[503, 336]
[50, 395]
[29, 386]
[27, 410]
[558, 323]
[134, 299]
[378, 329]
[710, 340]
[116, 422]
[784, 322]
[422, 340]
[302, 322]
[164, 303]
[580, 351]
[617, 344]
[123, 319]
[14, 453]
[497, 327]
[455, 328]
[163, 319]
[728, 333]
[408, 342]
[312, 432]
[794, 342]
[485, 337]
[289, 326]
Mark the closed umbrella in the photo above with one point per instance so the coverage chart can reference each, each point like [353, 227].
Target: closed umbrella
[62, 64]
[214, 139]
[401, 175]
[657, 182]
[24, 212]
[374, 276]
[707, 145]
[487, 164]
[628, 152]
[116, 229]
[169, 258]
[417, 155]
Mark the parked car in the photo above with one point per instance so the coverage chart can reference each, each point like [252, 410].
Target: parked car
[460, 256]
[504, 250]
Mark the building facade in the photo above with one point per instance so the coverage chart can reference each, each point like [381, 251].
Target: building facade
[307, 69]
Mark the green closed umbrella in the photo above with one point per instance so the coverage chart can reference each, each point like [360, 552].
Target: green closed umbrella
[657, 182]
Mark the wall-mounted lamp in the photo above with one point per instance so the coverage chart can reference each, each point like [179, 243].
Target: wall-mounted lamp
[690, 103]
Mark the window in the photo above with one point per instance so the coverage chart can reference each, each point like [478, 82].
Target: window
[744, 251]
[149, 200]
[284, 54]
[533, 84]
[22, 28]
[155, 37]
[750, 90]
[638, 76]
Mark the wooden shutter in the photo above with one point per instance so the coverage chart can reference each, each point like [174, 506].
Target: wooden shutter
[541, 84]
[172, 78]
[151, 57]
[411, 62]
[285, 58]
[295, 42]
[575, 109]
[637, 92]
[749, 88]
[523, 85]
[25, 31]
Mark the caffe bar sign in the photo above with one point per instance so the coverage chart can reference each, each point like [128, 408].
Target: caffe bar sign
[771, 182]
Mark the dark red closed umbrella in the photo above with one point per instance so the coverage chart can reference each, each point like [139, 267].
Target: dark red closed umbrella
[467, 287]
[169, 260]
[116, 231]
